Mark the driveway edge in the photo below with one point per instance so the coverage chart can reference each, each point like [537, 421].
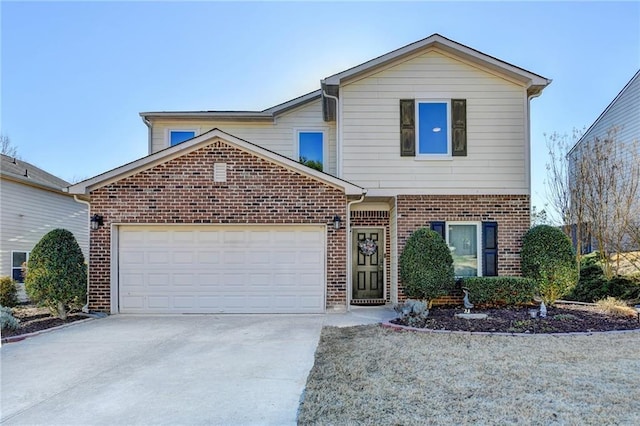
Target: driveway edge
[20, 337]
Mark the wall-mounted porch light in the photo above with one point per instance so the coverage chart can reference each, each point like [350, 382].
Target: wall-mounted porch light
[336, 222]
[96, 222]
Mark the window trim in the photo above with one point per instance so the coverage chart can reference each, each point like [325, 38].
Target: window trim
[27, 252]
[325, 143]
[426, 156]
[478, 225]
[168, 130]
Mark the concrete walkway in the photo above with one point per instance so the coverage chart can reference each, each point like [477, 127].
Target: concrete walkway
[184, 369]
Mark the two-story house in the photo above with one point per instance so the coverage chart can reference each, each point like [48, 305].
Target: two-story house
[306, 206]
[33, 202]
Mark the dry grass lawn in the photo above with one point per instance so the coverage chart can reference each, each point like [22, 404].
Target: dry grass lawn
[371, 375]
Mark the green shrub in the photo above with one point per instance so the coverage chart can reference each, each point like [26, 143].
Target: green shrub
[548, 258]
[593, 285]
[426, 266]
[556, 280]
[500, 290]
[8, 292]
[7, 320]
[56, 273]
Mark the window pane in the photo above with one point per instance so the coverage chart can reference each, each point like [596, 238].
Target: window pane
[16, 274]
[311, 149]
[178, 136]
[464, 249]
[19, 257]
[432, 128]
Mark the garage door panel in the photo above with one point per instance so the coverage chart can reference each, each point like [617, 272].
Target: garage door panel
[234, 269]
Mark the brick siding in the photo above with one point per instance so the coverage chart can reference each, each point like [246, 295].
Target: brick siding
[511, 212]
[182, 191]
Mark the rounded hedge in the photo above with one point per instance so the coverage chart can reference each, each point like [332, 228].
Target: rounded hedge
[426, 265]
[56, 273]
[8, 292]
[547, 256]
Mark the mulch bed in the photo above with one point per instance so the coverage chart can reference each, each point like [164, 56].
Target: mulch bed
[34, 319]
[560, 319]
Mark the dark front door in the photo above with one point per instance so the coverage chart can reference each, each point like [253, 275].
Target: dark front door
[368, 263]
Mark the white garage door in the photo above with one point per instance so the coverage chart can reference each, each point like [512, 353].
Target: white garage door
[211, 269]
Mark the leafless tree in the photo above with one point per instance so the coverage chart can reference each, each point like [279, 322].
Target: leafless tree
[6, 147]
[560, 186]
[604, 177]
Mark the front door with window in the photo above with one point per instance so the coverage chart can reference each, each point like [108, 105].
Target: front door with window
[368, 264]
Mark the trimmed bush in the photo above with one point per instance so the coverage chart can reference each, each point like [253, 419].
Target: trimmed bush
[593, 285]
[56, 273]
[7, 320]
[548, 258]
[426, 266]
[8, 292]
[508, 291]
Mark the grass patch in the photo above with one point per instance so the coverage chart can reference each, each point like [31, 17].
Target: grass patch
[613, 306]
[371, 375]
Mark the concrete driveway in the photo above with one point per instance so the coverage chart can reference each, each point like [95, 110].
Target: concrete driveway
[184, 369]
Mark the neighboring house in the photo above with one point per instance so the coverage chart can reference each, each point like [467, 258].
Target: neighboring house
[221, 216]
[620, 122]
[33, 202]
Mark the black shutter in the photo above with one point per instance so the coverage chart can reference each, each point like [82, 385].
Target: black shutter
[490, 249]
[407, 127]
[459, 127]
[439, 227]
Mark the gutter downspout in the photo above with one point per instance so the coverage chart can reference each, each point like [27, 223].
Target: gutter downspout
[149, 137]
[85, 308]
[338, 141]
[528, 136]
[349, 272]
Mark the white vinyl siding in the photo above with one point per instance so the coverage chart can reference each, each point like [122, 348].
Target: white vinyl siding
[28, 213]
[275, 136]
[496, 122]
[623, 113]
[221, 269]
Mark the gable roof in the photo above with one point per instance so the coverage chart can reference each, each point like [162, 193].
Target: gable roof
[268, 114]
[183, 148]
[535, 83]
[622, 92]
[27, 173]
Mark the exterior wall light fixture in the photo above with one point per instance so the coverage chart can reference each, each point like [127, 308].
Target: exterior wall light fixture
[336, 222]
[96, 222]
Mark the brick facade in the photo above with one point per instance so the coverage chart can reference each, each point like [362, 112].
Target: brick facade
[182, 191]
[377, 219]
[511, 212]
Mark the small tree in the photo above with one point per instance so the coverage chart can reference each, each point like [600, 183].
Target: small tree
[56, 273]
[548, 258]
[426, 266]
[6, 147]
[8, 292]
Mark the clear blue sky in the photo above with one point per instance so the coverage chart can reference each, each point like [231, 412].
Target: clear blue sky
[75, 75]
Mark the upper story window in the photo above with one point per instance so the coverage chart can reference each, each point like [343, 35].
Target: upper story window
[18, 260]
[311, 148]
[176, 136]
[433, 128]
